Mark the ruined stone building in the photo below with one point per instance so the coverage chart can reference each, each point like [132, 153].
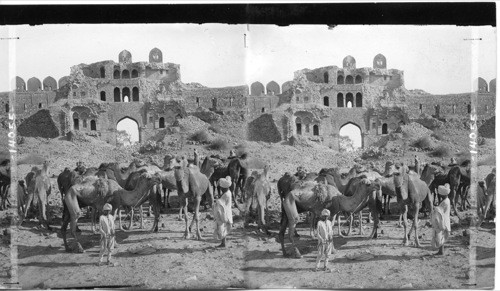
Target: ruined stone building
[316, 103]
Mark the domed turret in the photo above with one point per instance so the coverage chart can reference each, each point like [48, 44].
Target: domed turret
[349, 63]
[125, 57]
[379, 62]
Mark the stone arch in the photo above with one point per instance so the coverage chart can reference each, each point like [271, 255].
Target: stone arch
[493, 86]
[103, 95]
[93, 125]
[379, 62]
[161, 122]
[272, 88]
[116, 74]
[349, 79]
[349, 62]
[256, 89]
[354, 132]
[349, 99]
[135, 73]
[359, 100]
[340, 79]
[102, 70]
[63, 81]
[34, 84]
[76, 121]
[116, 95]
[340, 100]
[125, 57]
[482, 86]
[286, 86]
[20, 84]
[155, 56]
[125, 94]
[135, 94]
[125, 74]
[358, 79]
[6, 107]
[298, 125]
[326, 101]
[325, 77]
[131, 126]
[49, 84]
[384, 128]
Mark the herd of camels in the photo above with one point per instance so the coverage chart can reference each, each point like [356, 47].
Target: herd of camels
[130, 185]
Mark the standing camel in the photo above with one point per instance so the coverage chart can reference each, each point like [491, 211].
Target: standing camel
[92, 191]
[310, 196]
[410, 191]
[486, 196]
[142, 186]
[364, 194]
[455, 176]
[39, 188]
[258, 191]
[191, 183]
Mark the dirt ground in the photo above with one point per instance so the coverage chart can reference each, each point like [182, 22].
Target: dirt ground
[252, 259]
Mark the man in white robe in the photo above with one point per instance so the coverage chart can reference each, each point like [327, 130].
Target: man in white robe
[325, 239]
[441, 220]
[223, 214]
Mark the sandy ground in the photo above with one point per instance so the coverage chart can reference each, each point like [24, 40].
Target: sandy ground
[252, 259]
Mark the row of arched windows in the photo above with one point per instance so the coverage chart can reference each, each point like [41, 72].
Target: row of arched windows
[437, 108]
[83, 118]
[347, 79]
[348, 101]
[307, 123]
[125, 74]
[123, 95]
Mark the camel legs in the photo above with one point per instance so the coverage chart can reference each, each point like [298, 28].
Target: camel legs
[293, 216]
[184, 203]
[405, 225]
[74, 212]
[415, 226]
[28, 204]
[197, 216]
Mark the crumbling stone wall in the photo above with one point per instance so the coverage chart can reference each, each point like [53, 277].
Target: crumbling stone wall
[487, 129]
[216, 98]
[264, 128]
[39, 124]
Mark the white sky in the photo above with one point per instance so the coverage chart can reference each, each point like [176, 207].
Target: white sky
[436, 59]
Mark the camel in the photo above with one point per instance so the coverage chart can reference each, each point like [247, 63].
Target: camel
[191, 183]
[237, 169]
[486, 196]
[455, 176]
[310, 196]
[364, 195]
[39, 188]
[4, 191]
[428, 175]
[140, 187]
[21, 197]
[410, 191]
[92, 191]
[258, 191]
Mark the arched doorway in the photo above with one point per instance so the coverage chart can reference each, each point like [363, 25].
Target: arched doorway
[326, 101]
[384, 128]
[161, 122]
[76, 121]
[315, 129]
[125, 74]
[103, 72]
[349, 99]
[340, 80]
[103, 96]
[135, 74]
[127, 131]
[340, 100]
[116, 94]
[93, 125]
[358, 79]
[126, 94]
[116, 74]
[298, 125]
[135, 94]
[349, 79]
[359, 100]
[353, 132]
[325, 76]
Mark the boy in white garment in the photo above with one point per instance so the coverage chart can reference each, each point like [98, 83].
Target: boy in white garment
[325, 239]
[107, 230]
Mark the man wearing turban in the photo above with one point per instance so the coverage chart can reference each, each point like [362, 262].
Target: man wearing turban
[441, 220]
[223, 214]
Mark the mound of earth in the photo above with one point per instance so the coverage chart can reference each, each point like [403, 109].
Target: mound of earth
[488, 128]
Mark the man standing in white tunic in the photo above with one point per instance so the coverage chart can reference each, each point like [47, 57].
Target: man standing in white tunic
[107, 230]
[441, 220]
[325, 239]
[223, 214]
